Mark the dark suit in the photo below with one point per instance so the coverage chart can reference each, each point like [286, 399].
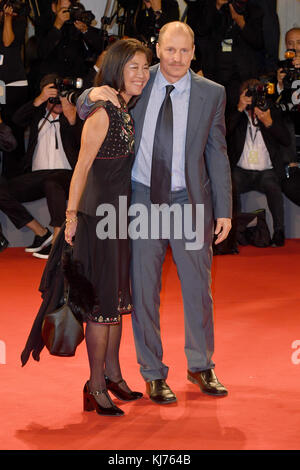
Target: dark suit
[33, 185]
[276, 139]
[208, 182]
[271, 31]
[229, 68]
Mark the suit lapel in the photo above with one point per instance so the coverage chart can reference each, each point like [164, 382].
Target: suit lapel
[139, 111]
[196, 111]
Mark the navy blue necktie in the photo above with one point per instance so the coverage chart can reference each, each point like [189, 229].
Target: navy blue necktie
[161, 170]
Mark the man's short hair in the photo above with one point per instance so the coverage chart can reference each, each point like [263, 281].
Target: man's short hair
[180, 24]
[296, 29]
[49, 78]
[251, 82]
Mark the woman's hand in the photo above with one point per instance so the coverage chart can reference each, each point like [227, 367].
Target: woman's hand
[70, 230]
[9, 12]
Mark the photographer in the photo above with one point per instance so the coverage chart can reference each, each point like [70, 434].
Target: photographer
[229, 34]
[13, 24]
[287, 78]
[54, 142]
[149, 17]
[68, 45]
[255, 134]
[292, 42]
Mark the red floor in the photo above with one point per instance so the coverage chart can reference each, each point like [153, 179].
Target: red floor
[257, 300]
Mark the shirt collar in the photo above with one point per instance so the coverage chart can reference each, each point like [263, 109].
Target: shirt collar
[182, 85]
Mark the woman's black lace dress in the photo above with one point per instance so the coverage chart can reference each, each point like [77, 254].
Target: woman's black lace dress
[101, 242]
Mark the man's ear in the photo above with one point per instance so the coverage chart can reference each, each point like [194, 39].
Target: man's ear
[157, 50]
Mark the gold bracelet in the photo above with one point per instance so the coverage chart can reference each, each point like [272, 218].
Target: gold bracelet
[69, 221]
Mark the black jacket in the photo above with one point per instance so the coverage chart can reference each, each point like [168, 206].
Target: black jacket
[52, 291]
[212, 28]
[66, 51]
[277, 138]
[142, 24]
[30, 115]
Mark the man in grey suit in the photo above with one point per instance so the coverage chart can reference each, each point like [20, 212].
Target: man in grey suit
[200, 175]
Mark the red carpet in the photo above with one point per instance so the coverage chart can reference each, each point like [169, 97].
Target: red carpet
[257, 301]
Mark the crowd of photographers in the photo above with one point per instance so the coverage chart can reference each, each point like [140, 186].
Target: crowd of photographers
[237, 43]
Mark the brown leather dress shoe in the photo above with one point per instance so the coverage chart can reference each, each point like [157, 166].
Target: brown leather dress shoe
[159, 392]
[208, 382]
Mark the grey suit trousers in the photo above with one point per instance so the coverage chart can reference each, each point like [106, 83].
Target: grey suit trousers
[194, 271]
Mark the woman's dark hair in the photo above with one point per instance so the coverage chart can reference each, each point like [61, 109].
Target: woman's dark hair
[116, 57]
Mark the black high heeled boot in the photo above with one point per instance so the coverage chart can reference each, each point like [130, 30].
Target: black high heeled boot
[90, 403]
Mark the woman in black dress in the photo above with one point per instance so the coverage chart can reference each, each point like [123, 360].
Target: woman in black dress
[101, 176]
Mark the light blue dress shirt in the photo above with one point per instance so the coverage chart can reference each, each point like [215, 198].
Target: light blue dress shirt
[180, 96]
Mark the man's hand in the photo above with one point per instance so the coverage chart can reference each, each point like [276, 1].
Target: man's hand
[222, 229]
[296, 62]
[244, 101]
[239, 19]
[61, 17]
[104, 93]
[264, 116]
[49, 91]
[220, 3]
[82, 27]
[69, 110]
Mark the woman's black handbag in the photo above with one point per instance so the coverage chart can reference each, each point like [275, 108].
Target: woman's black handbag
[62, 332]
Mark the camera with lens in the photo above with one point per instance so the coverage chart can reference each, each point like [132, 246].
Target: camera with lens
[291, 72]
[260, 93]
[69, 88]
[79, 13]
[18, 6]
[239, 5]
